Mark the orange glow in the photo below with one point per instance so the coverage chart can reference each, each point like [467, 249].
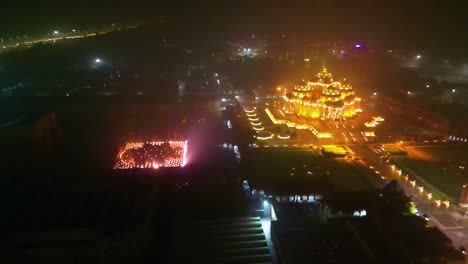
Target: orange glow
[152, 155]
[312, 129]
[324, 98]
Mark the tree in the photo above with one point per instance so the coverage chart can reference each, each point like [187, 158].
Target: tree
[396, 198]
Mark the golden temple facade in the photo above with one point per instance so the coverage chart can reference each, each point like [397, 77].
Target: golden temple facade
[323, 98]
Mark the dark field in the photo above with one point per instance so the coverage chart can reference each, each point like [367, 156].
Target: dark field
[294, 171]
[90, 131]
[441, 166]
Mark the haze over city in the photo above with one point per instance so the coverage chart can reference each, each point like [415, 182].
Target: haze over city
[233, 132]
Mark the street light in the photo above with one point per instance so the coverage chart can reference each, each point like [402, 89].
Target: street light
[375, 93]
[418, 56]
[97, 60]
[56, 32]
[453, 90]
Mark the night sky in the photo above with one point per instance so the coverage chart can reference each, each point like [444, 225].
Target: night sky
[432, 25]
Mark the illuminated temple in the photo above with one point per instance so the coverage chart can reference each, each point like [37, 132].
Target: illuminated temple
[323, 97]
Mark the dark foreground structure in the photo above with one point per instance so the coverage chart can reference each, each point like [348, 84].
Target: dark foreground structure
[301, 234]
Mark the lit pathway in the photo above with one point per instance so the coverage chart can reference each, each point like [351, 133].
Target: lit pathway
[266, 224]
[448, 220]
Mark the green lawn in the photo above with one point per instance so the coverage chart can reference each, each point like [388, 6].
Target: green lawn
[439, 166]
[282, 170]
[436, 175]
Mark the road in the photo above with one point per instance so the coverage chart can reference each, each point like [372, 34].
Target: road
[448, 220]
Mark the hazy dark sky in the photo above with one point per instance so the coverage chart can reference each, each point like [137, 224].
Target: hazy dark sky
[414, 23]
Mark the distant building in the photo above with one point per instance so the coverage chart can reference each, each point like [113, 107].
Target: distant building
[334, 151]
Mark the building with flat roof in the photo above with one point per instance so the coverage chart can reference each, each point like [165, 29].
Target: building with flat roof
[332, 150]
[300, 235]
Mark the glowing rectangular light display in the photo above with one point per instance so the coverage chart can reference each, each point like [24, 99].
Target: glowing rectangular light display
[152, 155]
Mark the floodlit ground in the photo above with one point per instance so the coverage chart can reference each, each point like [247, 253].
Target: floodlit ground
[282, 170]
[346, 131]
[441, 166]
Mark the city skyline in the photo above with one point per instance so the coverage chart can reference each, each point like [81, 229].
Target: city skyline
[382, 22]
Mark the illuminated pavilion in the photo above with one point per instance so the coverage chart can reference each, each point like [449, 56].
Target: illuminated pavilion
[323, 98]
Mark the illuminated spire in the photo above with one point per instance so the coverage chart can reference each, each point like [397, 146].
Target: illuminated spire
[324, 74]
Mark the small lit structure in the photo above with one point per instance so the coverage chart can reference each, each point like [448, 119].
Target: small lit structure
[371, 124]
[247, 52]
[284, 136]
[333, 150]
[264, 135]
[378, 118]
